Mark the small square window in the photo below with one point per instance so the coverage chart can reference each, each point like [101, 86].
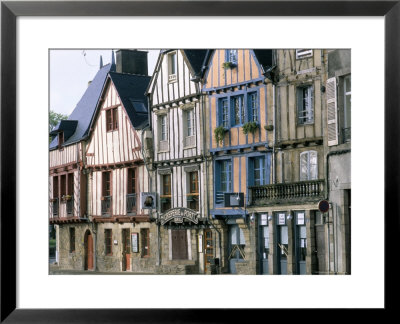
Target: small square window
[172, 67]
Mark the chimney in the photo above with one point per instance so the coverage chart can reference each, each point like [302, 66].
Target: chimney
[131, 61]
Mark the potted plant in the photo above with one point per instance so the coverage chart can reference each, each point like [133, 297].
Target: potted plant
[66, 197]
[250, 127]
[228, 65]
[219, 133]
[269, 127]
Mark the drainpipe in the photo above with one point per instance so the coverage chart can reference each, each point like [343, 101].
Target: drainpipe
[209, 221]
[274, 134]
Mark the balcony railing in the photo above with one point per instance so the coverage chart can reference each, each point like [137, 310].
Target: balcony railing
[70, 206]
[106, 205]
[55, 207]
[287, 192]
[131, 203]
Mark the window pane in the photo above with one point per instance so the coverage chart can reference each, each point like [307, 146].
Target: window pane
[304, 166]
[284, 235]
[303, 232]
[234, 235]
[242, 240]
[313, 166]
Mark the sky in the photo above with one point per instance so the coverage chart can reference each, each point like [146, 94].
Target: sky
[71, 70]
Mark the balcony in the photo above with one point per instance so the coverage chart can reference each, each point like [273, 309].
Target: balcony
[70, 206]
[106, 205]
[131, 204]
[287, 193]
[55, 205]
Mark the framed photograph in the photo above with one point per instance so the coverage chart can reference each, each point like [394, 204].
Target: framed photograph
[29, 29]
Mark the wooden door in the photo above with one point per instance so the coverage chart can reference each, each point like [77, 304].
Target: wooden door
[208, 249]
[126, 251]
[179, 245]
[88, 251]
[320, 249]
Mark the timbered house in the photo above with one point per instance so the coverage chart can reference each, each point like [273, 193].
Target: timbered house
[67, 179]
[293, 238]
[179, 162]
[240, 111]
[118, 176]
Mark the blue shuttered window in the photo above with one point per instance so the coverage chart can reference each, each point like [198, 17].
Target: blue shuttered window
[257, 171]
[231, 56]
[252, 104]
[224, 113]
[237, 108]
[223, 179]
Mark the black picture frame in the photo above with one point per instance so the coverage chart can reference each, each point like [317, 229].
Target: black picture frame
[10, 10]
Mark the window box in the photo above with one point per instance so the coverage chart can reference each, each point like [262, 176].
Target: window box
[250, 127]
[66, 197]
[219, 133]
[228, 65]
[269, 127]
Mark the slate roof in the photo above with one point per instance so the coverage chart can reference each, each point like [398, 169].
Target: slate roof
[67, 126]
[196, 59]
[85, 108]
[131, 90]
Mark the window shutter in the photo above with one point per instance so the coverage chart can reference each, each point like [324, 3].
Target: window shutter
[331, 111]
[251, 171]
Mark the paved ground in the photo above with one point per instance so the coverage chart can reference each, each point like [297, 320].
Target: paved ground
[54, 270]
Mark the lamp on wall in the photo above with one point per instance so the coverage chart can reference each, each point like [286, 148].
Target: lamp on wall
[270, 217]
[252, 218]
[289, 217]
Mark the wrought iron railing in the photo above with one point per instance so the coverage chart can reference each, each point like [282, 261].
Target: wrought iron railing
[55, 207]
[70, 206]
[294, 191]
[131, 203]
[106, 205]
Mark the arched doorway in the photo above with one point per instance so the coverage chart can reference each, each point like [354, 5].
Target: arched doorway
[88, 251]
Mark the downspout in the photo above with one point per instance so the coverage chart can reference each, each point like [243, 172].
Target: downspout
[209, 221]
[274, 133]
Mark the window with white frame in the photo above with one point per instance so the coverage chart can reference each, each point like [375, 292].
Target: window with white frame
[238, 110]
[224, 112]
[172, 66]
[308, 165]
[252, 103]
[257, 168]
[190, 122]
[231, 56]
[305, 105]
[163, 132]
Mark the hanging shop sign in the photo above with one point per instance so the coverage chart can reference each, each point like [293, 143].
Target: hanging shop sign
[179, 215]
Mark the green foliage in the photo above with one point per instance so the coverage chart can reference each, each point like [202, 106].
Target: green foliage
[219, 133]
[250, 127]
[227, 65]
[54, 119]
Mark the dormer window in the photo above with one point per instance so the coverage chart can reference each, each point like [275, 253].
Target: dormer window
[231, 56]
[60, 139]
[172, 67]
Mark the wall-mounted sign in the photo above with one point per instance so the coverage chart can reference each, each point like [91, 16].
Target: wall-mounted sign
[234, 199]
[323, 206]
[135, 245]
[281, 219]
[178, 215]
[300, 218]
[148, 200]
[264, 219]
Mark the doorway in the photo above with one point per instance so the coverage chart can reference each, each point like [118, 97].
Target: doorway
[179, 244]
[282, 243]
[208, 248]
[237, 244]
[88, 243]
[320, 250]
[264, 243]
[126, 251]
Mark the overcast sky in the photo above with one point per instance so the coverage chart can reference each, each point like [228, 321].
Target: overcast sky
[71, 70]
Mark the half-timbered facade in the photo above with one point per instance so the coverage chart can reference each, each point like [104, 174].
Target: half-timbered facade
[68, 206]
[118, 176]
[177, 123]
[239, 105]
[292, 232]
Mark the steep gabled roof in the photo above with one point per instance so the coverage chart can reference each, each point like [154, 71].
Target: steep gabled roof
[196, 59]
[85, 108]
[131, 90]
[264, 57]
